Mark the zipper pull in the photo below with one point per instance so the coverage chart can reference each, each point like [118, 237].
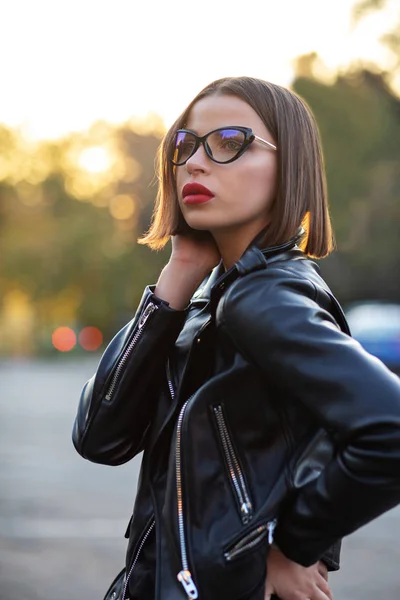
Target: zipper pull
[187, 582]
[150, 308]
[271, 528]
[245, 509]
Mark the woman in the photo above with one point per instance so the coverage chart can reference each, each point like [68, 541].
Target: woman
[268, 433]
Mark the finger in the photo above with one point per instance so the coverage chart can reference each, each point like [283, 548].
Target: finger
[323, 570]
[324, 588]
[319, 594]
[268, 591]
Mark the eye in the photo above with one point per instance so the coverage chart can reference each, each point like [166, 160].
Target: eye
[186, 145]
[227, 141]
[231, 144]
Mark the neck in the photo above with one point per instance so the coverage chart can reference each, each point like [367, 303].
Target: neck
[232, 242]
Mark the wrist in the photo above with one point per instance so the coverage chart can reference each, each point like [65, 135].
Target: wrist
[177, 285]
[195, 270]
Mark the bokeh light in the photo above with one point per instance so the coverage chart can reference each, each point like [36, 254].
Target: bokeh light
[90, 338]
[95, 159]
[122, 207]
[64, 339]
[91, 166]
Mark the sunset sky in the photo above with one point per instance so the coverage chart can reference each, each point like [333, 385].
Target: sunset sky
[65, 64]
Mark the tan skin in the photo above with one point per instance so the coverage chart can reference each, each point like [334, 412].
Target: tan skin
[229, 225]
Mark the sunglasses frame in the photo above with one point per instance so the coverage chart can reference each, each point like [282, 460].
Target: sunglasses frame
[248, 139]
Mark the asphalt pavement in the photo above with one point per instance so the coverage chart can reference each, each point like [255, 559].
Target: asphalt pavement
[62, 519]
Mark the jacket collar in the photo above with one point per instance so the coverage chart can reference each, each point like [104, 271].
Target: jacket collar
[255, 258]
[252, 259]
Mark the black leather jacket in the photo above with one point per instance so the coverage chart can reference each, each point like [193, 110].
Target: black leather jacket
[260, 418]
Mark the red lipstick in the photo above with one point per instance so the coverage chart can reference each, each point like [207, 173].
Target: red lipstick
[195, 193]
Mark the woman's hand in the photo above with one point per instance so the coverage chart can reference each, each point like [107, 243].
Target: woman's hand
[197, 252]
[192, 258]
[291, 581]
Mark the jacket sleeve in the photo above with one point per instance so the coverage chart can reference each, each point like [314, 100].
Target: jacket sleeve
[117, 403]
[275, 320]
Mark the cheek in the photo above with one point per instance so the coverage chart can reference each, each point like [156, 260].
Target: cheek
[259, 181]
[180, 177]
[266, 174]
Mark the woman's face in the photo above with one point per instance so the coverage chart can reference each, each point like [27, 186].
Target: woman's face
[242, 190]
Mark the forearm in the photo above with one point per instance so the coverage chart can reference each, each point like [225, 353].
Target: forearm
[116, 405]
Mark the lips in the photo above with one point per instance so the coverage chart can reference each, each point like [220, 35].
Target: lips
[195, 193]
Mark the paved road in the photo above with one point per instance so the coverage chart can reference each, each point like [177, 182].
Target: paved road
[62, 519]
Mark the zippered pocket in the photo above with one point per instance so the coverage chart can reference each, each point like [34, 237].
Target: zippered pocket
[235, 470]
[148, 311]
[251, 540]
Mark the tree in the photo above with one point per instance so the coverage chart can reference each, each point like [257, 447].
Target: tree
[359, 120]
[391, 39]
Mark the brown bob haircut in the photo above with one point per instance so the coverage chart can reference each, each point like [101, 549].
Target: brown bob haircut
[301, 198]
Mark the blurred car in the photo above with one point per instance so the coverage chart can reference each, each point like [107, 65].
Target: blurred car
[376, 325]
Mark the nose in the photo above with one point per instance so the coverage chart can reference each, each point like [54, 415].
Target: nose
[199, 161]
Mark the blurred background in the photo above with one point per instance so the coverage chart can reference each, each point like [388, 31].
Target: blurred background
[87, 91]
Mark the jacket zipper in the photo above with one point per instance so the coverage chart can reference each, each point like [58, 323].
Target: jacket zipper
[148, 311]
[184, 576]
[251, 539]
[234, 468]
[169, 379]
[142, 543]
